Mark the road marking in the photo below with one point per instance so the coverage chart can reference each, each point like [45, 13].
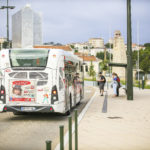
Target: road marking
[104, 109]
[80, 117]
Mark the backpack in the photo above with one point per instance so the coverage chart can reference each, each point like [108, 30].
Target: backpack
[104, 79]
[118, 81]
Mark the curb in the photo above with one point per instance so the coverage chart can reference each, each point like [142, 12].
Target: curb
[80, 117]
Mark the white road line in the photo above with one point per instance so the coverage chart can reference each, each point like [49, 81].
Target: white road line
[80, 117]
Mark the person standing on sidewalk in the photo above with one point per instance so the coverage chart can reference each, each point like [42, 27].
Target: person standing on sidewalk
[118, 85]
[101, 83]
[114, 84]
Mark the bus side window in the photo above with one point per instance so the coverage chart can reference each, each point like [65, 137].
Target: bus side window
[81, 69]
[60, 83]
[61, 71]
[60, 78]
[86, 68]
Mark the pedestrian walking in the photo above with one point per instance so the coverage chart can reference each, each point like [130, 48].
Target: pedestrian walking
[101, 83]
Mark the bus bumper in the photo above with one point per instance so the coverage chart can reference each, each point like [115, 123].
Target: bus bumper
[28, 109]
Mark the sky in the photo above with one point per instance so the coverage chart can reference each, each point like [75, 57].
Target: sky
[70, 21]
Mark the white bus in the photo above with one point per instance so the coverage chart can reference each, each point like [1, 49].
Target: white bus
[40, 80]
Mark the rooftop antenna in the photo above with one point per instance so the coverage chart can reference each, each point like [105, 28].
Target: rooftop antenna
[138, 56]
[109, 48]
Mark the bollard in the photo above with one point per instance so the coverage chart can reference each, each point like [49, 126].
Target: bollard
[76, 129]
[143, 84]
[61, 137]
[70, 132]
[139, 84]
[48, 145]
[107, 85]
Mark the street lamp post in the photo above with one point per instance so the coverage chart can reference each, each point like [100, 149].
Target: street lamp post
[129, 54]
[7, 7]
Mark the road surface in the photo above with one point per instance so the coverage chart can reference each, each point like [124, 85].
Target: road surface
[29, 132]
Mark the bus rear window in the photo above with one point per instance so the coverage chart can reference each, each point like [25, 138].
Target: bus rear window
[29, 58]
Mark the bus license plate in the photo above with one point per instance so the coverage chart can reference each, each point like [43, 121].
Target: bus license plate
[27, 108]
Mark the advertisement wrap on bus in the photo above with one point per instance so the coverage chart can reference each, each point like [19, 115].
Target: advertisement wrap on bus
[22, 91]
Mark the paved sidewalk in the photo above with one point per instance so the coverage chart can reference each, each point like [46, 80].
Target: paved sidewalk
[125, 126]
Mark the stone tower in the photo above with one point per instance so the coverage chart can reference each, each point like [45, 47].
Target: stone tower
[119, 54]
[26, 28]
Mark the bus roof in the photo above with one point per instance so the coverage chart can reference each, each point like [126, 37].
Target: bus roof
[69, 55]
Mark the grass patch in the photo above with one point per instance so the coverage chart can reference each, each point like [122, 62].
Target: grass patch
[87, 79]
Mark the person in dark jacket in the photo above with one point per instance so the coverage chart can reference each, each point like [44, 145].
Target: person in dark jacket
[101, 83]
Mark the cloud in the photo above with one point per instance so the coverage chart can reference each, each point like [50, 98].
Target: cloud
[68, 21]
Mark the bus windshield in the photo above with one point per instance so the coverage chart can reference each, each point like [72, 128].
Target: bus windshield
[29, 58]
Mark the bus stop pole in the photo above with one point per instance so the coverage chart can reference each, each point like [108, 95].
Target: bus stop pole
[129, 54]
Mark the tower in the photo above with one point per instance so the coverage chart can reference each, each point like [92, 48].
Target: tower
[119, 54]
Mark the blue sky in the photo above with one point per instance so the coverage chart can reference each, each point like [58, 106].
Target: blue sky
[68, 21]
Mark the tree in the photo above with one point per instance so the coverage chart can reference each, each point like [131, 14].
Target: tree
[72, 46]
[134, 58]
[92, 72]
[7, 44]
[144, 59]
[85, 47]
[76, 51]
[100, 55]
[108, 45]
[104, 65]
[147, 44]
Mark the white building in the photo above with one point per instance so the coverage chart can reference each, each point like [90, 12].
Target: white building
[26, 28]
[96, 42]
[94, 51]
[87, 61]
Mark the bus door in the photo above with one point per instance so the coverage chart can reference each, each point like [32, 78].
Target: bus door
[75, 89]
[67, 103]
